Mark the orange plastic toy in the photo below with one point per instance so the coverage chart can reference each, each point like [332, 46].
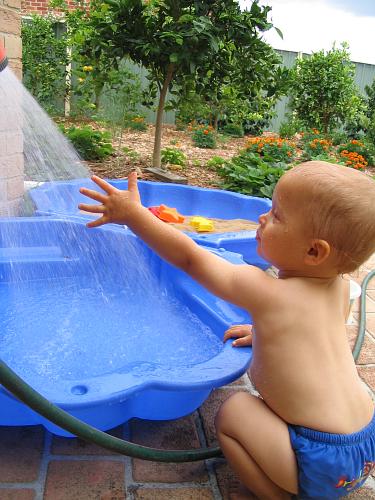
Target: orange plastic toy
[167, 214]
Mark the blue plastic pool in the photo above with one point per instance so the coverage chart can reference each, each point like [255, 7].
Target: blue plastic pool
[63, 197]
[101, 326]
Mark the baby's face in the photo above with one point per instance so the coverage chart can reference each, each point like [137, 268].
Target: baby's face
[282, 239]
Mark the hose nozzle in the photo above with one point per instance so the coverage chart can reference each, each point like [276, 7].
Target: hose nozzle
[3, 59]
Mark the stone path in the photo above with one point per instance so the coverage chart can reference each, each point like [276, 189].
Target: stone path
[34, 465]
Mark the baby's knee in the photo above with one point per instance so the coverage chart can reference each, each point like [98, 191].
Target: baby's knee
[229, 410]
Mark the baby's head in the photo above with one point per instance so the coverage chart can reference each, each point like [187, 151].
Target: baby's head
[338, 205]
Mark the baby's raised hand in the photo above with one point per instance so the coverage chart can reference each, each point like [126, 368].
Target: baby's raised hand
[242, 333]
[115, 204]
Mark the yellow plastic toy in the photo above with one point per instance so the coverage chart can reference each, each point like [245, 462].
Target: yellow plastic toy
[201, 224]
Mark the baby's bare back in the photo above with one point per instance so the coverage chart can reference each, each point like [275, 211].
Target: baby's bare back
[302, 365]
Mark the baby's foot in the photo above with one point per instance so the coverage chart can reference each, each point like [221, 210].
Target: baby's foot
[237, 491]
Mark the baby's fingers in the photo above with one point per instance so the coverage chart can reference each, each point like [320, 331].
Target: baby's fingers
[243, 341]
[98, 222]
[108, 188]
[95, 209]
[236, 331]
[94, 195]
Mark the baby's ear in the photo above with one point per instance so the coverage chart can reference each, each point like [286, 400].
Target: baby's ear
[318, 252]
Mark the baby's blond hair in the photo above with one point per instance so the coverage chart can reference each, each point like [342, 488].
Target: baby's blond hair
[338, 203]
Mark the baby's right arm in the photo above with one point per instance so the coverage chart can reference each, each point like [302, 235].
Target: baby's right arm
[244, 285]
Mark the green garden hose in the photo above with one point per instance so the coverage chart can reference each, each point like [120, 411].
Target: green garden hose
[25, 393]
[362, 316]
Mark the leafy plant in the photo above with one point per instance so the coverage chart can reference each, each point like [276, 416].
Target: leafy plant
[130, 153]
[338, 137]
[357, 124]
[215, 162]
[370, 93]
[204, 137]
[120, 96]
[316, 147]
[249, 174]
[328, 157]
[371, 131]
[91, 144]
[291, 127]
[173, 156]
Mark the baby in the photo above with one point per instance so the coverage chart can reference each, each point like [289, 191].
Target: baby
[312, 430]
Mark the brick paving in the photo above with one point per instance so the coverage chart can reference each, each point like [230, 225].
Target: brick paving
[35, 465]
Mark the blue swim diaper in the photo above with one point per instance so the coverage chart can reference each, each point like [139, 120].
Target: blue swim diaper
[332, 465]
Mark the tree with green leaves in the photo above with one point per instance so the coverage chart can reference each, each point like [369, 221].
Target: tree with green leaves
[246, 73]
[323, 89]
[179, 40]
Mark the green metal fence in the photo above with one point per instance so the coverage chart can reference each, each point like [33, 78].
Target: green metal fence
[364, 75]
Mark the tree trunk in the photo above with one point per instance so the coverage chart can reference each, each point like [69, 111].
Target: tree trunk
[216, 121]
[98, 88]
[326, 119]
[156, 157]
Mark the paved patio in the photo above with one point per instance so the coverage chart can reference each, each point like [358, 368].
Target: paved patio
[35, 465]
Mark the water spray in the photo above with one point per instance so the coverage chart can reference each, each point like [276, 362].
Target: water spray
[3, 59]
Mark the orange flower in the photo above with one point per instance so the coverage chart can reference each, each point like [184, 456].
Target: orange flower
[354, 159]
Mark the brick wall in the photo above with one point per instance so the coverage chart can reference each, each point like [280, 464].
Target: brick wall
[11, 139]
[10, 33]
[40, 6]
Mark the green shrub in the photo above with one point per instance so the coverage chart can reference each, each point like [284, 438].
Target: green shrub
[247, 173]
[317, 146]
[204, 137]
[290, 128]
[173, 156]
[371, 131]
[233, 130]
[215, 162]
[91, 144]
[338, 138]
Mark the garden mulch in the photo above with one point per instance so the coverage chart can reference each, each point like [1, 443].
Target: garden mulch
[139, 145]
[141, 142]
